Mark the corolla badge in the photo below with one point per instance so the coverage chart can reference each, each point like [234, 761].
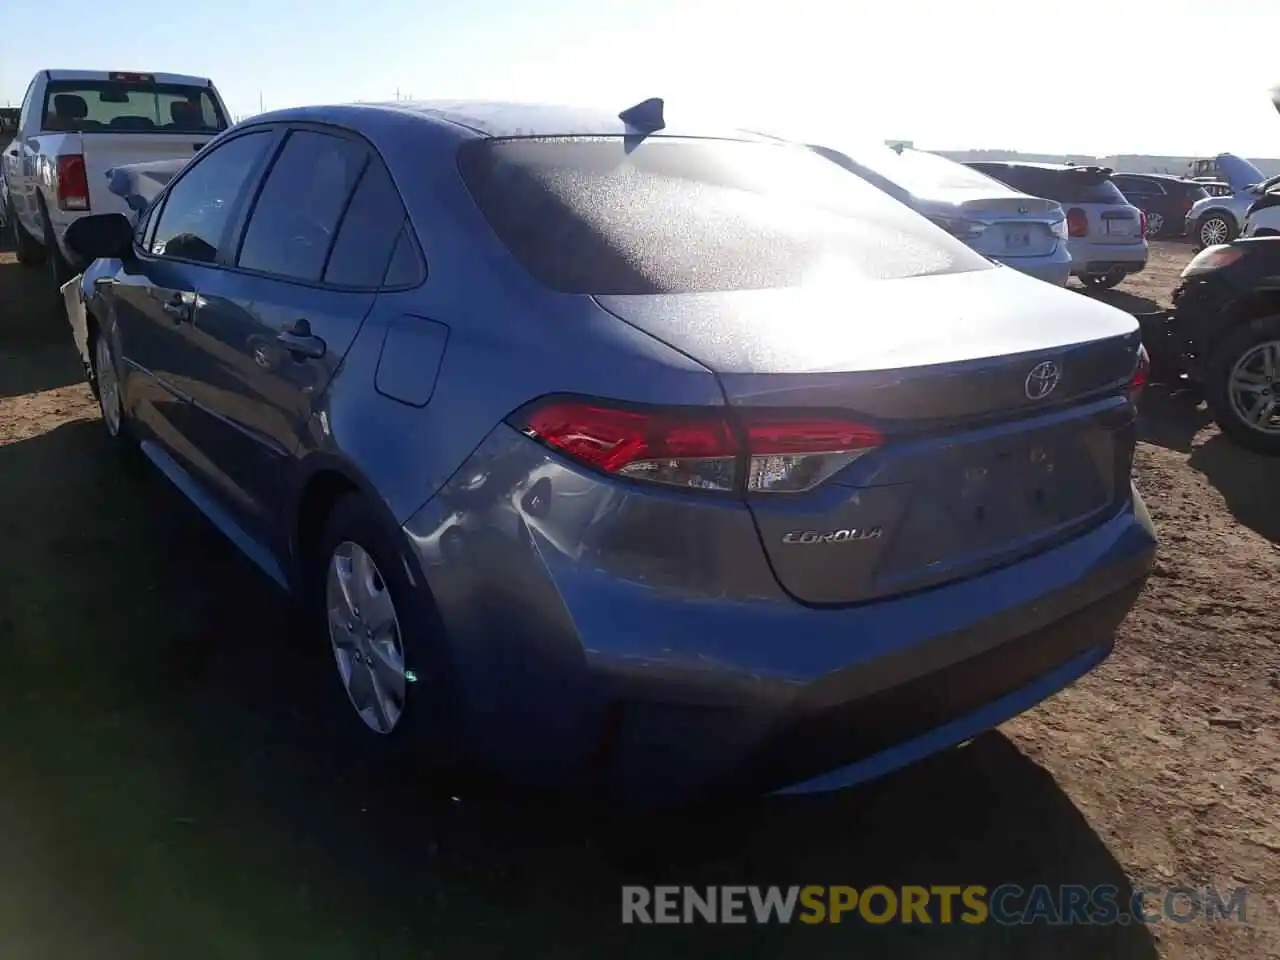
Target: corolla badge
[1042, 380]
[833, 536]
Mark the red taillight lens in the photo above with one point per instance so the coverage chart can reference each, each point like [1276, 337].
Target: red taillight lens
[753, 453]
[1142, 224]
[73, 184]
[1077, 223]
[1141, 374]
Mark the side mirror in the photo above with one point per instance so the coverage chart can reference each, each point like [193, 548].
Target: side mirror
[106, 236]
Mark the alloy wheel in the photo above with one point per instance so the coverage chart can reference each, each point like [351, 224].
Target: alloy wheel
[104, 371]
[365, 634]
[1252, 387]
[1213, 231]
[1155, 224]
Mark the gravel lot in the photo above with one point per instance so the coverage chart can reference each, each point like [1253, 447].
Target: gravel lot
[166, 792]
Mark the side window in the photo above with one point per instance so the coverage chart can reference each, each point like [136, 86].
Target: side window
[198, 205]
[406, 268]
[295, 220]
[369, 231]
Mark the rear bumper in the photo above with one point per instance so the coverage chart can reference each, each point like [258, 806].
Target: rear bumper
[1091, 257]
[1053, 268]
[581, 667]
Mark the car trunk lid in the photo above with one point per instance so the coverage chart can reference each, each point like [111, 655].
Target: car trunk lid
[1112, 223]
[1016, 226]
[1005, 422]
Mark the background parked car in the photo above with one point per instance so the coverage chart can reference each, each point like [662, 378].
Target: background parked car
[1220, 219]
[1224, 334]
[1226, 168]
[1022, 231]
[1262, 219]
[1164, 199]
[74, 126]
[1107, 235]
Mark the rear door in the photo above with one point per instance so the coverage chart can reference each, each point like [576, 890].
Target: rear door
[271, 329]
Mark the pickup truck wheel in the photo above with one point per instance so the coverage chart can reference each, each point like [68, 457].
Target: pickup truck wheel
[1242, 385]
[59, 269]
[28, 252]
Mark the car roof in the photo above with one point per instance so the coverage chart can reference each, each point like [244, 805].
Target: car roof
[176, 78]
[495, 118]
[1166, 177]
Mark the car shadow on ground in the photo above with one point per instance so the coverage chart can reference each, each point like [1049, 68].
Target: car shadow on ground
[1126, 301]
[36, 349]
[1170, 415]
[1247, 481]
[175, 784]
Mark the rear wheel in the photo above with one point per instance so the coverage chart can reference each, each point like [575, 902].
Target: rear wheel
[1155, 224]
[28, 252]
[1214, 228]
[59, 269]
[1242, 386]
[396, 692]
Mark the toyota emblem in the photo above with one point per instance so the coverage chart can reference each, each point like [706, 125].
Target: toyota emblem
[1042, 380]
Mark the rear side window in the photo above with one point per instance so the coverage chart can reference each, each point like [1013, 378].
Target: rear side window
[670, 215]
[1196, 193]
[369, 231]
[295, 219]
[90, 106]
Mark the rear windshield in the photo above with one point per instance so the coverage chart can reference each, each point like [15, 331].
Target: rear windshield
[90, 106]
[669, 215]
[1065, 186]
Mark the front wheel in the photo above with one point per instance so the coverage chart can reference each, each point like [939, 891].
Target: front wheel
[1242, 384]
[105, 384]
[1213, 229]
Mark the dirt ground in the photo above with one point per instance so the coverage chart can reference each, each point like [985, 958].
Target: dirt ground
[165, 791]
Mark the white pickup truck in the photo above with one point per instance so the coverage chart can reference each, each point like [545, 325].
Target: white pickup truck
[75, 126]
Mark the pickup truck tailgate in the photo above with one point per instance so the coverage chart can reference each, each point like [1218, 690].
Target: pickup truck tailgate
[103, 151]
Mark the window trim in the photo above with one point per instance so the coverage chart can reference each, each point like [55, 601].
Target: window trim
[162, 201]
[243, 215]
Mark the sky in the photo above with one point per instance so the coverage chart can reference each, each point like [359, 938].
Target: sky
[1174, 77]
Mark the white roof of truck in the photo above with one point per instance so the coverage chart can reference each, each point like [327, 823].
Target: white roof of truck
[178, 78]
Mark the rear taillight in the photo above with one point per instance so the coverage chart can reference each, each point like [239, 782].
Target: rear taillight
[73, 183]
[1077, 223]
[709, 450]
[1142, 224]
[1141, 374]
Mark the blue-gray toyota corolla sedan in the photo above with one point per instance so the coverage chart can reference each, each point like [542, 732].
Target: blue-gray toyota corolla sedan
[605, 452]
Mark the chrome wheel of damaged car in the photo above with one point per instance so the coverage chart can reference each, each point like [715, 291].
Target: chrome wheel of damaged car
[108, 385]
[1215, 230]
[365, 633]
[1252, 386]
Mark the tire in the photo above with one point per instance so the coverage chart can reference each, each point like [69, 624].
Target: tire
[1101, 281]
[27, 250]
[1214, 224]
[1156, 225]
[1242, 348]
[104, 382]
[429, 722]
[59, 269]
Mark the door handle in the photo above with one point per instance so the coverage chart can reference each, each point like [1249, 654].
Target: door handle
[178, 308]
[301, 342]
